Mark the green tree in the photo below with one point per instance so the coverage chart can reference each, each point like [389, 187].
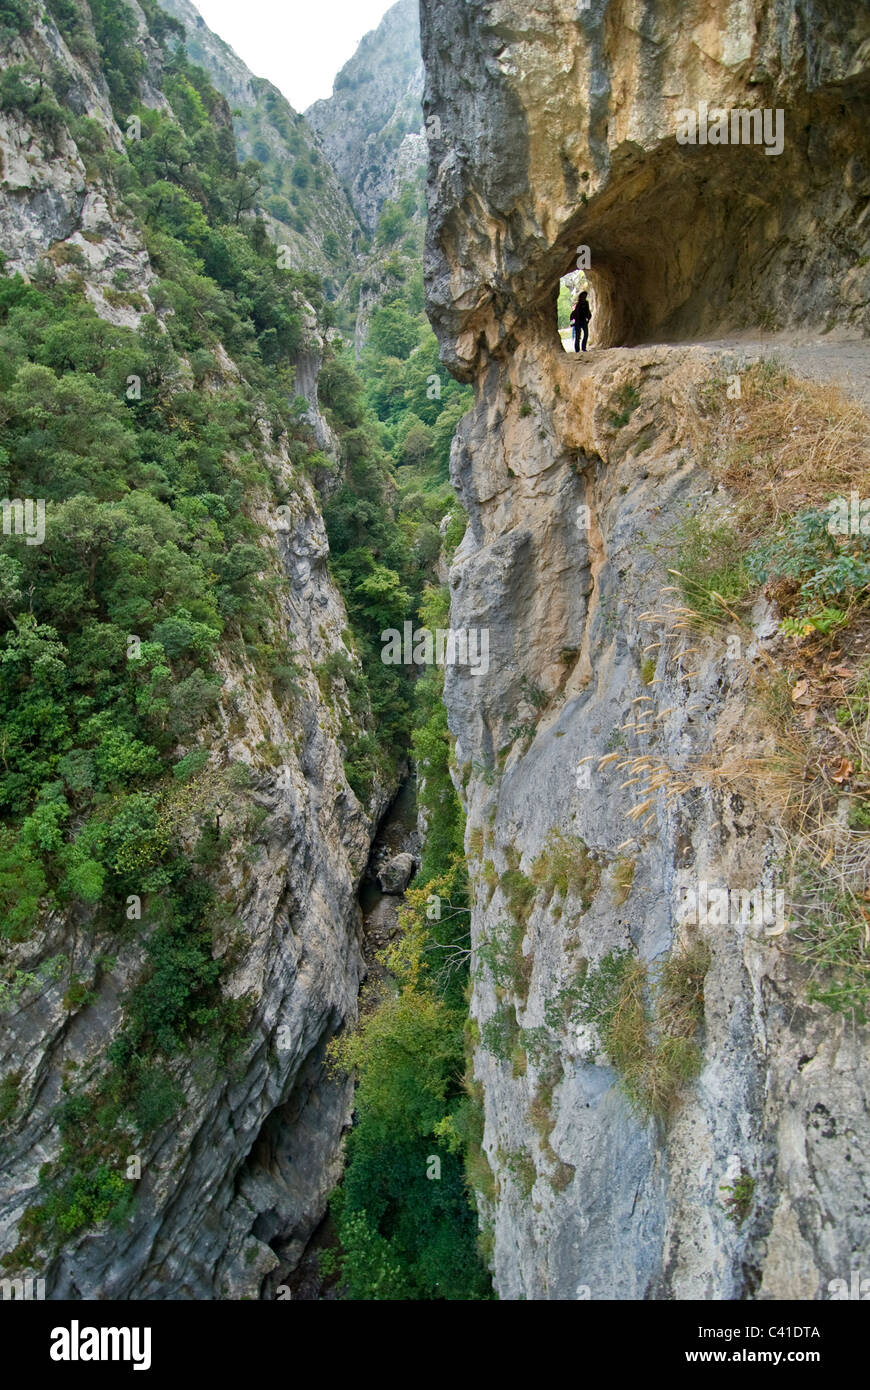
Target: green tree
[22, 886]
[393, 331]
[417, 444]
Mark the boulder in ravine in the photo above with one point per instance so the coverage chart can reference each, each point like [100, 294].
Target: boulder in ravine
[397, 873]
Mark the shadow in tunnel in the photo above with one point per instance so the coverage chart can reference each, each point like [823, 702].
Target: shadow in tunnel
[696, 241]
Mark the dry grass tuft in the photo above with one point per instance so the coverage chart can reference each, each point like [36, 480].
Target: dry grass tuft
[653, 1048]
[795, 444]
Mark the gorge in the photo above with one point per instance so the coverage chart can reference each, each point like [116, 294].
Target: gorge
[242, 1058]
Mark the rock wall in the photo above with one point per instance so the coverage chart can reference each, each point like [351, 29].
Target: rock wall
[557, 128]
[563, 132]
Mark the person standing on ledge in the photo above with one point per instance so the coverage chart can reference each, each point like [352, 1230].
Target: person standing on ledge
[580, 316]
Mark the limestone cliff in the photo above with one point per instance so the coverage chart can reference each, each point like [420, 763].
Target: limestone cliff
[607, 757]
[563, 132]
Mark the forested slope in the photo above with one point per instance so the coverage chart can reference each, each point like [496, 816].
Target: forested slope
[198, 732]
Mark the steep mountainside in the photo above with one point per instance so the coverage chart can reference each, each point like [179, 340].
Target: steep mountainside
[192, 772]
[614, 1032]
[674, 1097]
[371, 126]
[301, 194]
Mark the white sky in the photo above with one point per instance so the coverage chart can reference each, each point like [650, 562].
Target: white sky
[300, 45]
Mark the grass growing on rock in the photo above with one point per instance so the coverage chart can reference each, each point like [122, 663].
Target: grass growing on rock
[500, 1033]
[480, 1173]
[475, 841]
[647, 1027]
[521, 1167]
[503, 954]
[624, 402]
[792, 453]
[741, 1192]
[565, 866]
[623, 878]
[680, 1000]
[541, 1115]
[10, 1092]
[791, 444]
[519, 891]
[711, 564]
[830, 937]
[489, 878]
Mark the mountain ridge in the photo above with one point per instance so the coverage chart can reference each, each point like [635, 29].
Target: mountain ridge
[371, 126]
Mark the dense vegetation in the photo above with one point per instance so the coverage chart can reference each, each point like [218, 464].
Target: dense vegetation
[405, 1211]
[297, 189]
[145, 455]
[149, 457]
[404, 1233]
[396, 413]
[384, 539]
[417, 404]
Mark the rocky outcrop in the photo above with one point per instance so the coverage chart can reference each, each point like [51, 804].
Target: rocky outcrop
[397, 873]
[371, 125]
[603, 754]
[50, 201]
[563, 132]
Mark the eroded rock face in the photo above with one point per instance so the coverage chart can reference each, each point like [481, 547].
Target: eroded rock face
[558, 129]
[47, 198]
[563, 132]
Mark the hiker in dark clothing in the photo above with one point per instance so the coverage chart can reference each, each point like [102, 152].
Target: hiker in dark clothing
[580, 316]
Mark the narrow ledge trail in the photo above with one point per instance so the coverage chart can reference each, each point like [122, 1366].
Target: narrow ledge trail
[844, 362]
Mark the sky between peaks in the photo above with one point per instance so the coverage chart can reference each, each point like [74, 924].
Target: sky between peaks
[300, 45]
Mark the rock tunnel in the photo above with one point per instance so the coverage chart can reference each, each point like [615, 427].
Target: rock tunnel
[693, 241]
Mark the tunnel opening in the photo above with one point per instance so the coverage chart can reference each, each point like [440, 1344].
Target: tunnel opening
[570, 288]
[692, 242]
